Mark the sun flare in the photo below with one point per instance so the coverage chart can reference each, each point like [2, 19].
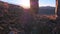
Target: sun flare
[25, 3]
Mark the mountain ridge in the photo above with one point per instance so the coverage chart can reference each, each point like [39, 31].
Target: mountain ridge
[46, 10]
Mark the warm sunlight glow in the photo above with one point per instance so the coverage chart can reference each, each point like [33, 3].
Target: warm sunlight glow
[25, 3]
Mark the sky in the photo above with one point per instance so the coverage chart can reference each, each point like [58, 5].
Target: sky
[47, 3]
[27, 2]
